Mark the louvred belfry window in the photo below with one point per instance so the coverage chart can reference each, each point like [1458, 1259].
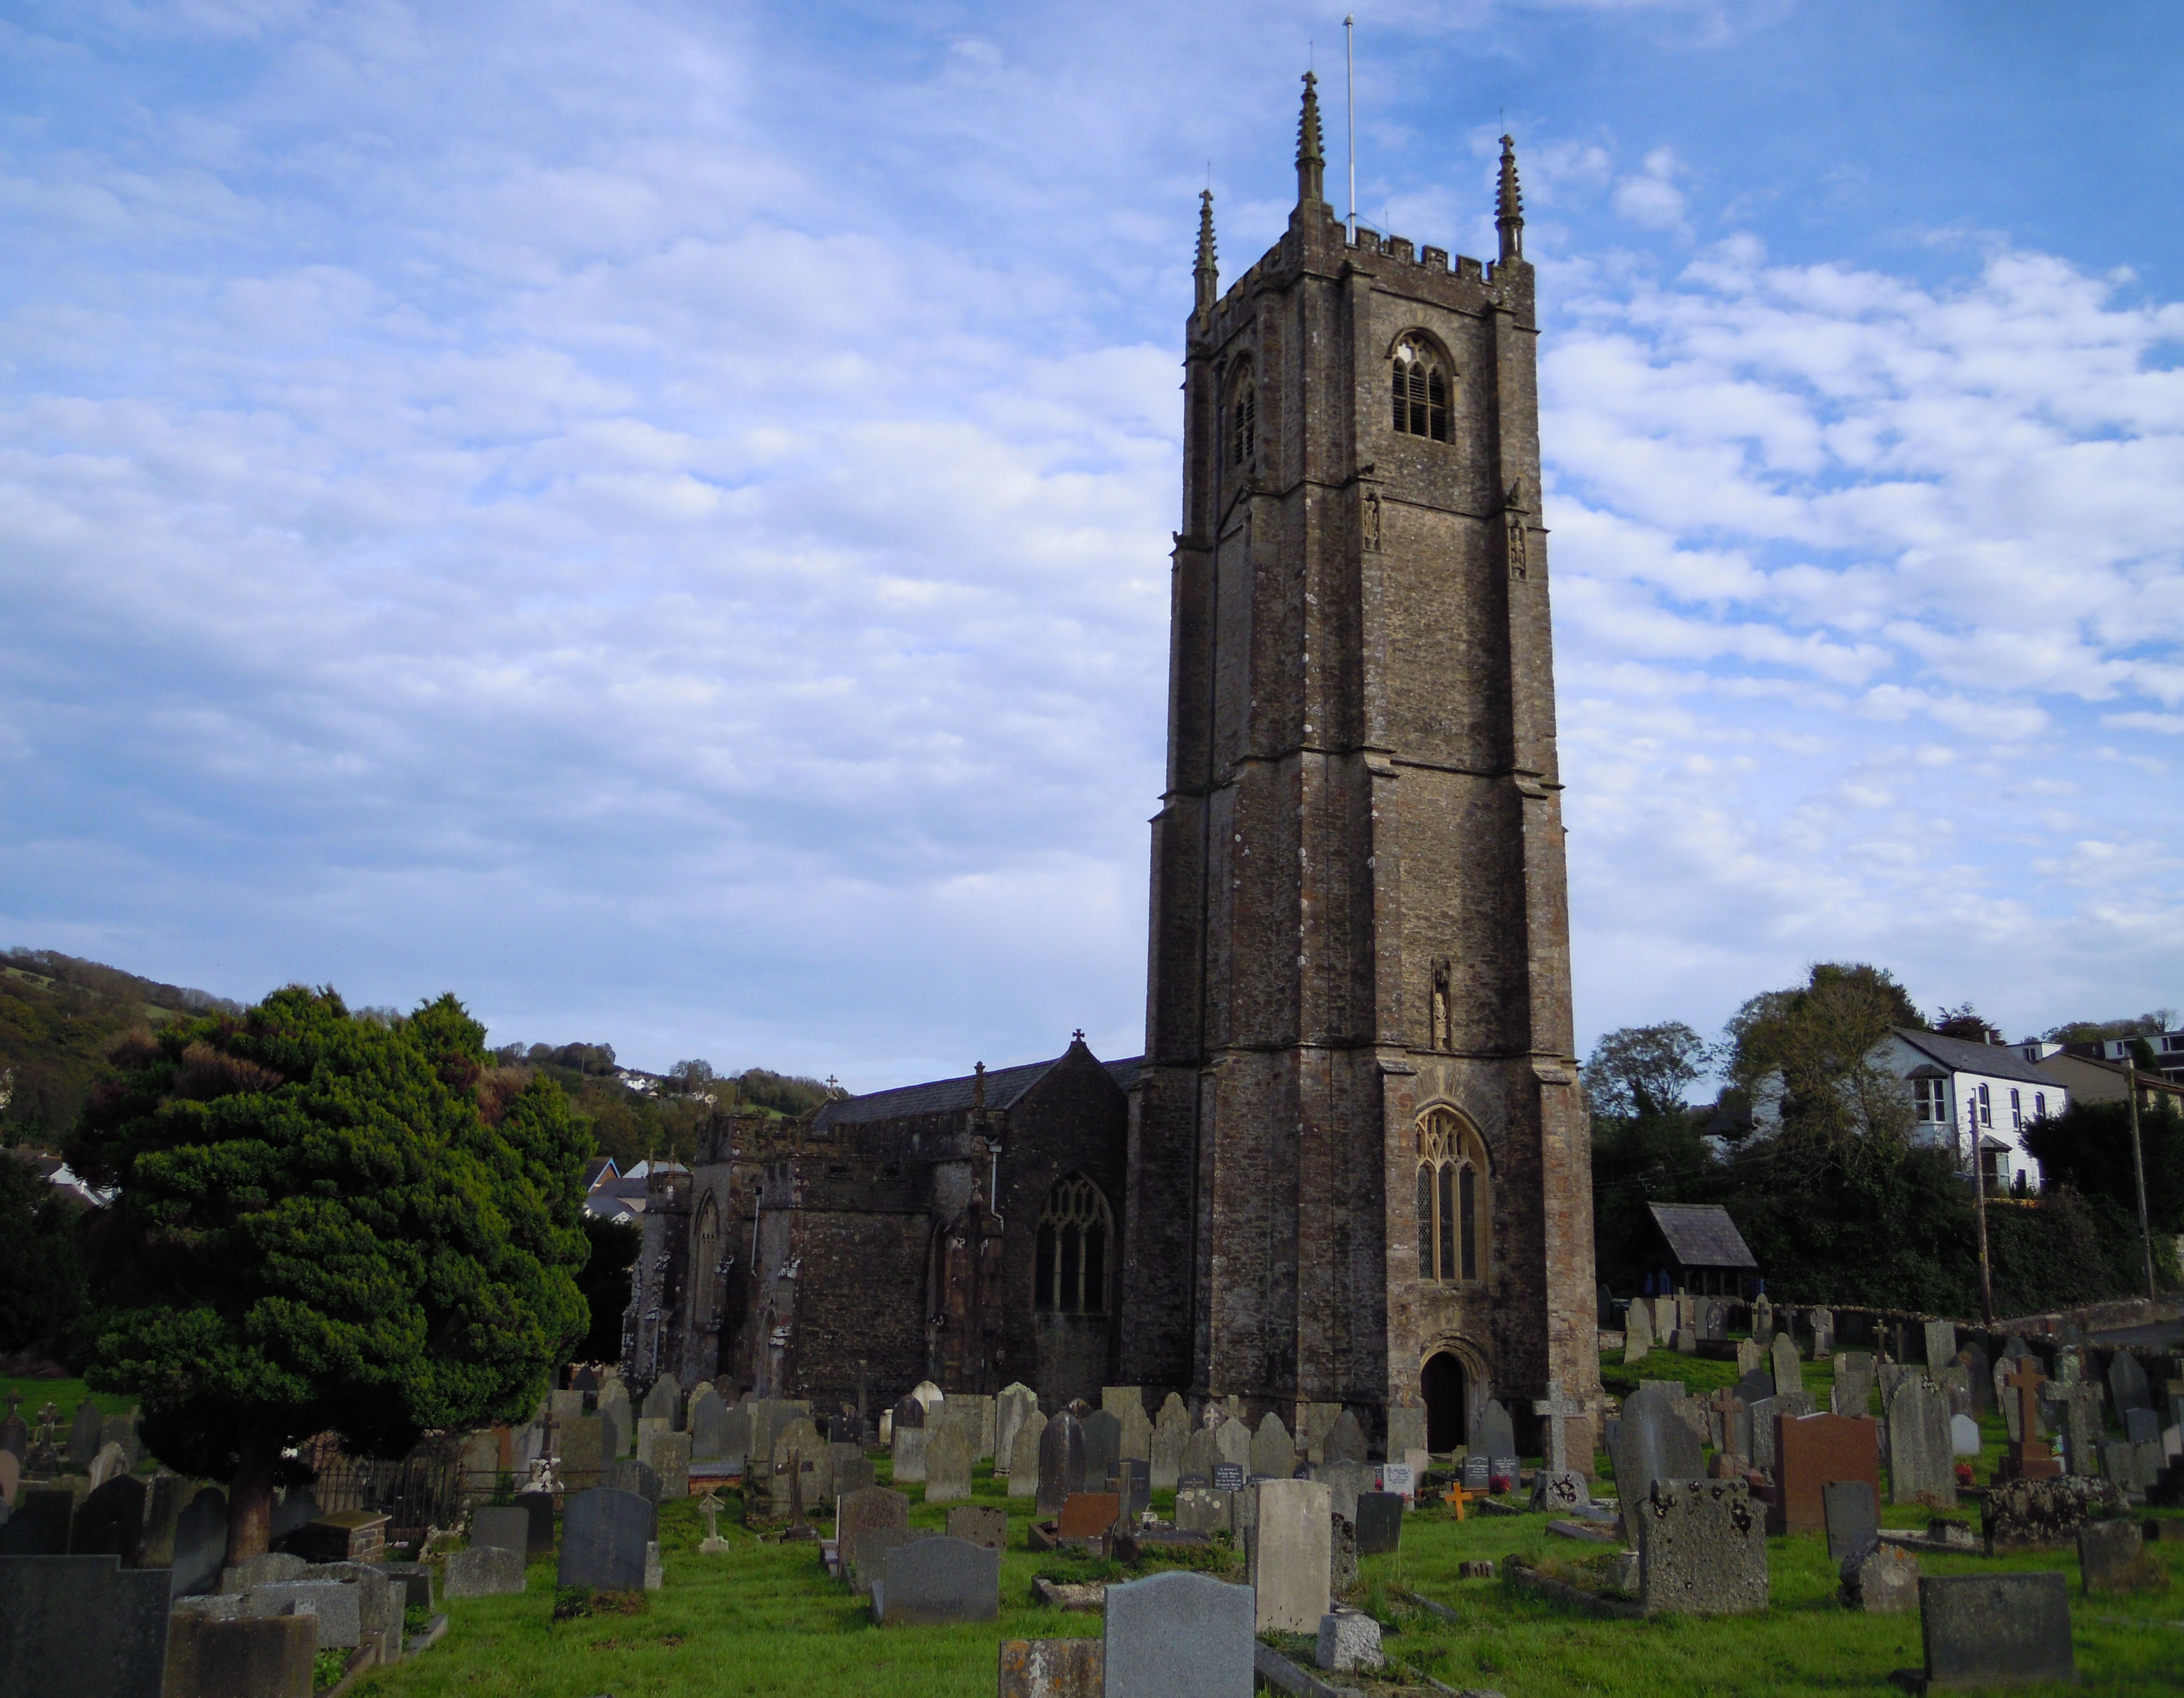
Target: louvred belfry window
[1420, 393]
[1244, 425]
[1454, 1204]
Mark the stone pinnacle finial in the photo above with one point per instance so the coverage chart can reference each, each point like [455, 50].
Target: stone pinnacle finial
[1209, 273]
[1509, 205]
[1311, 165]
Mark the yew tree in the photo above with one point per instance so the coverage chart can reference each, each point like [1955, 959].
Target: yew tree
[327, 1222]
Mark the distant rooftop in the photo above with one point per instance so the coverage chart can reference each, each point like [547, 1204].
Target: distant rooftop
[1702, 1235]
[1006, 1087]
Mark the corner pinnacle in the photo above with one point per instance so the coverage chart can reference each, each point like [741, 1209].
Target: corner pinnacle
[1208, 273]
[1509, 205]
[1311, 165]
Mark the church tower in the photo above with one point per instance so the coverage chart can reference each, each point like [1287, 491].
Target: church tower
[1359, 1160]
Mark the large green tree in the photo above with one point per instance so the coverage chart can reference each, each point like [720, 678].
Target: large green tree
[327, 1222]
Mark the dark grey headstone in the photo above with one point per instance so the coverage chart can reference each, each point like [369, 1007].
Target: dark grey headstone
[909, 1413]
[603, 1535]
[1853, 1517]
[82, 1627]
[413, 1583]
[1103, 1448]
[664, 1402]
[1345, 1441]
[982, 1524]
[1753, 1386]
[1995, 1630]
[1654, 1443]
[630, 1475]
[586, 1378]
[484, 1571]
[866, 1555]
[86, 1434]
[709, 1427]
[1179, 1636]
[509, 1528]
[110, 1523]
[213, 1657]
[2142, 1425]
[1983, 1375]
[1496, 1436]
[2127, 1384]
[1379, 1522]
[1228, 1476]
[39, 1526]
[292, 1515]
[1762, 1415]
[1061, 1463]
[1133, 1481]
[200, 1543]
[1475, 1477]
[539, 1507]
[933, 1582]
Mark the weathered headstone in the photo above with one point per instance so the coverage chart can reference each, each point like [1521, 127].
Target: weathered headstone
[2084, 1425]
[1023, 1456]
[110, 1523]
[538, 1507]
[1178, 1635]
[709, 1426]
[1495, 1435]
[200, 1542]
[1274, 1456]
[2127, 1384]
[1379, 1522]
[39, 1527]
[484, 1571]
[1406, 1428]
[1088, 1515]
[1061, 1463]
[1136, 1432]
[1812, 1452]
[630, 1475]
[1171, 1434]
[1651, 1443]
[2044, 1514]
[664, 1402]
[210, 1657]
[584, 1452]
[2112, 1558]
[1783, 1363]
[1764, 1414]
[1200, 1509]
[1881, 1579]
[936, 1582]
[1752, 1358]
[1852, 1391]
[1103, 1448]
[604, 1533]
[1345, 1441]
[911, 1444]
[1981, 1374]
[508, 1528]
[1637, 1333]
[1291, 1555]
[85, 1435]
[1824, 1333]
[1011, 1409]
[982, 1524]
[1995, 1630]
[1232, 1443]
[1941, 1343]
[338, 1605]
[1763, 1319]
[1921, 1462]
[1343, 1482]
[1051, 1667]
[1702, 1549]
[1853, 1511]
[947, 1464]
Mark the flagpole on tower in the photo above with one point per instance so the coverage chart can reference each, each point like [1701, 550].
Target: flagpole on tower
[1349, 108]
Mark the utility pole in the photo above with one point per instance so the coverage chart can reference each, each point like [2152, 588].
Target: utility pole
[1978, 1189]
[2138, 1167]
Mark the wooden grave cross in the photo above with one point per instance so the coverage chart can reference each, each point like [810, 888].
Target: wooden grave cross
[1456, 1498]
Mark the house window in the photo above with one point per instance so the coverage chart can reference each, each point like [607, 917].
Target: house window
[2016, 1110]
[1931, 1096]
[1986, 1107]
[2040, 1105]
[1244, 425]
[1420, 393]
[1454, 1204]
[1070, 1276]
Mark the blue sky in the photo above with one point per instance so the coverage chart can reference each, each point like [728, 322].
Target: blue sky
[655, 517]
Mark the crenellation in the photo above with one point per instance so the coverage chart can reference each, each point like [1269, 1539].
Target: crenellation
[1433, 259]
[1469, 269]
[1398, 247]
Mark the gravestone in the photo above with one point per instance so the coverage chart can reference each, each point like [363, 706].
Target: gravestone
[1103, 1448]
[2112, 1558]
[1061, 1463]
[865, 1562]
[1753, 1387]
[1345, 1481]
[849, 1469]
[2044, 1514]
[1406, 1428]
[799, 1454]
[1782, 1359]
[1232, 1443]
[617, 1431]
[1752, 1358]
[110, 1523]
[982, 1524]
[1051, 1667]
[1763, 1415]
[709, 1426]
[1637, 1333]
[1495, 1435]
[1274, 1456]
[1824, 1333]
[200, 1542]
[1291, 1554]
[948, 1463]
[1701, 1549]
[81, 1625]
[1379, 1522]
[2083, 1403]
[911, 1443]
[508, 1528]
[909, 1411]
[1763, 1319]
[1813, 1452]
[1134, 1483]
[1011, 1409]
[1172, 1435]
[1981, 1374]
[39, 1525]
[1023, 1457]
[1964, 1436]
[1136, 1435]
[1476, 1478]
[484, 1571]
[1651, 1443]
[1088, 1515]
[937, 1582]
[1200, 1509]
[1921, 1463]
[87, 1433]
[338, 1605]
[1852, 1510]
[1228, 1476]
[630, 1475]
[1995, 1630]
[1941, 1343]
[1728, 1426]
[583, 1452]
[2140, 1425]
[1851, 1393]
[1179, 1636]
[1882, 1579]
[664, 1402]
[538, 1507]
[2127, 1384]
[604, 1534]
[1345, 1441]
[210, 1657]
[121, 1429]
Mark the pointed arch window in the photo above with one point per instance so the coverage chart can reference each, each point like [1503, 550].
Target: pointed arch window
[704, 1262]
[1420, 392]
[1244, 423]
[1075, 1230]
[1455, 1206]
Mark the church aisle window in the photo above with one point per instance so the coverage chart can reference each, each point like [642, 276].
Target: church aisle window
[1075, 1228]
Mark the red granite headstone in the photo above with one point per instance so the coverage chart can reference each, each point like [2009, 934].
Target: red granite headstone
[1088, 1515]
[1811, 1451]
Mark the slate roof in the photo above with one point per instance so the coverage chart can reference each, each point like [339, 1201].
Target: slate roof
[1006, 1087]
[1702, 1235]
[1958, 1056]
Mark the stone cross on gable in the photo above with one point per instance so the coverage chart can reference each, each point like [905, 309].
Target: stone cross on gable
[2025, 1378]
[1557, 1408]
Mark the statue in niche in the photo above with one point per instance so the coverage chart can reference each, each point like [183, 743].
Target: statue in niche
[1519, 539]
[1373, 520]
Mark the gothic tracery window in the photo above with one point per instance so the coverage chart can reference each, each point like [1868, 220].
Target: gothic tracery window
[1453, 1199]
[704, 1262]
[1420, 392]
[1244, 423]
[1070, 1276]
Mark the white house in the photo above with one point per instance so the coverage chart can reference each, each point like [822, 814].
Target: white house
[1960, 1090]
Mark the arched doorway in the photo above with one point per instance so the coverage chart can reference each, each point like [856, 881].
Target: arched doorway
[1442, 1385]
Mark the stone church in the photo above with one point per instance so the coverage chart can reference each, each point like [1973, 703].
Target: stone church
[1352, 1165]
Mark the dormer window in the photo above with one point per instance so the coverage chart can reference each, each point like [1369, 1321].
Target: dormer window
[1420, 392]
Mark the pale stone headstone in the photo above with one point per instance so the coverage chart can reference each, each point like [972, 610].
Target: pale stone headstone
[1023, 1457]
[1171, 1435]
[1495, 1435]
[1701, 1549]
[1136, 1436]
[1941, 1341]
[111, 1462]
[1061, 1463]
[1995, 1628]
[1963, 1436]
[948, 1463]
[928, 1394]
[910, 1445]
[1233, 1443]
[1178, 1635]
[1406, 1428]
[1824, 1333]
[1016, 1404]
[1783, 1363]
[1637, 1332]
[1273, 1457]
[484, 1571]
[339, 1606]
[1852, 1391]
[1348, 1639]
[1290, 1551]
[1751, 1357]
[1763, 1319]
[1345, 1441]
[1882, 1579]
[937, 1582]
[1763, 1414]
[1921, 1464]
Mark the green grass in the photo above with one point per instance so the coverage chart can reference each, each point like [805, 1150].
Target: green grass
[765, 1620]
[65, 1394]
